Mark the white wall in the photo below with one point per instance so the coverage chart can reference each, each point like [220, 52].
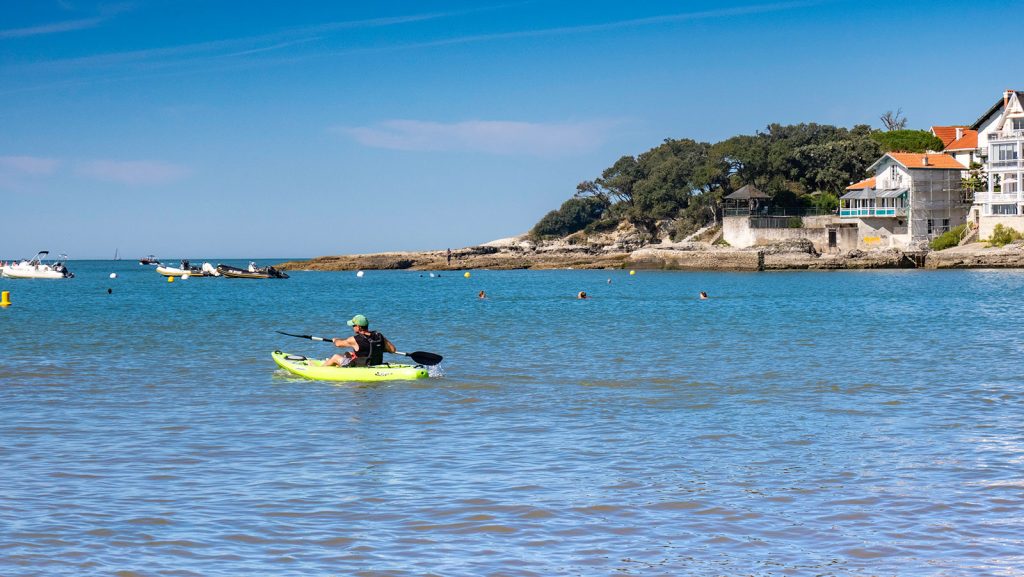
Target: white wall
[736, 231]
[988, 223]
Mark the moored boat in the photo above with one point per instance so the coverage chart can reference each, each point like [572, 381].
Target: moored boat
[150, 259]
[252, 271]
[36, 268]
[186, 268]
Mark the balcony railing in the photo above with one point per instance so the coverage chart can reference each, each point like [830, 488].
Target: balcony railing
[996, 197]
[1006, 135]
[872, 212]
[1015, 163]
[803, 211]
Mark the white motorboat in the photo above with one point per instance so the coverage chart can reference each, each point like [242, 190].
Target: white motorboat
[186, 268]
[36, 268]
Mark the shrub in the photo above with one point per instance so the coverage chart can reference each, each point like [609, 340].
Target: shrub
[949, 238]
[574, 215]
[1004, 235]
[794, 222]
[602, 225]
[826, 202]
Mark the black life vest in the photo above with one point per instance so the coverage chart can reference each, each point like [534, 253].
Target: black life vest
[371, 349]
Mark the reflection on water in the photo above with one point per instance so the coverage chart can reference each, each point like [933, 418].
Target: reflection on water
[863, 423]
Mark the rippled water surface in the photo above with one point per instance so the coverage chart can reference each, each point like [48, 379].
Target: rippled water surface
[844, 423]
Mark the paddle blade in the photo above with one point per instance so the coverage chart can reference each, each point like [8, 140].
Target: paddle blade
[422, 358]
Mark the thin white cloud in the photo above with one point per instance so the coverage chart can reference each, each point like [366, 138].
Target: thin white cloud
[235, 47]
[132, 172]
[52, 28]
[488, 136]
[604, 26]
[31, 165]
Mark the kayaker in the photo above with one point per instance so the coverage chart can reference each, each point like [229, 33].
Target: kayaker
[703, 296]
[368, 346]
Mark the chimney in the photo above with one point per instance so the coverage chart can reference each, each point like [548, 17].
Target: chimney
[924, 160]
[959, 132]
[1006, 98]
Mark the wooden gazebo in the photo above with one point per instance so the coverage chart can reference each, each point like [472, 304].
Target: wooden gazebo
[748, 199]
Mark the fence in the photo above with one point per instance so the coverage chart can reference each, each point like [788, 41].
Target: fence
[776, 222]
[777, 211]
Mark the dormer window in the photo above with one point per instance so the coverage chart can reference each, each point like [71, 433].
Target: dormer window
[894, 175]
[1018, 123]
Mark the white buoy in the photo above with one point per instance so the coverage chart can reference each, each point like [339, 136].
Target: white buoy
[113, 275]
[431, 275]
[185, 276]
[359, 274]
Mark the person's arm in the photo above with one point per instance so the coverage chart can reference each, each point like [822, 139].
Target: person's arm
[388, 346]
[349, 342]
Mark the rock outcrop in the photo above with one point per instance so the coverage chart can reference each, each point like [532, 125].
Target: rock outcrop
[977, 255]
[622, 249]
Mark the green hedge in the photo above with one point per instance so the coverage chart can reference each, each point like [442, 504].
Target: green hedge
[949, 238]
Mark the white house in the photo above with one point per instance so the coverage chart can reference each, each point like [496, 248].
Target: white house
[911, 198]
[1001, 142]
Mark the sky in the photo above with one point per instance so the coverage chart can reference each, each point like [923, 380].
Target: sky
[189, 128]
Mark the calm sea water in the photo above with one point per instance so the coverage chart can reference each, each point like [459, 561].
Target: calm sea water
[843, 423]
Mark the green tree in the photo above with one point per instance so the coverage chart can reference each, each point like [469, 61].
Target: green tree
[907, 141]
[615, 184]
[574, 215]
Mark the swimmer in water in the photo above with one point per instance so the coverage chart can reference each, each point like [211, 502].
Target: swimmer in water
[582, 295]
[703, 296]
[482, 295]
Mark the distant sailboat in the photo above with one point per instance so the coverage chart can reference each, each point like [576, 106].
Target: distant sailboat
[115, 255]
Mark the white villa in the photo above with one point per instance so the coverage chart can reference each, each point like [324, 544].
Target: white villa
[1000, 141]
[911, 198]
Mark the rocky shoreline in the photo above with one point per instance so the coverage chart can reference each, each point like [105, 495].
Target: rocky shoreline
[521, 253]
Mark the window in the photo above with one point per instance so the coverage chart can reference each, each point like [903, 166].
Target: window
[1004, 209]
[1004, 151]
[931, 225]
[1018, 123]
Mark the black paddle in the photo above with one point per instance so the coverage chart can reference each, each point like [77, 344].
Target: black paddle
[418, 357]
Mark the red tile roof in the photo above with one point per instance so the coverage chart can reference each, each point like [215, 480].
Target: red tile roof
[946, 134]
[866, 183]
[969, 141]
[913, 160]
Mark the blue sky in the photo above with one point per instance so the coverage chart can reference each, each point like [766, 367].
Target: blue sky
[261, 129]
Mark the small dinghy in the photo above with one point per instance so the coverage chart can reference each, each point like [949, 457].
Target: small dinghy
[150, 259]
[186, 268]
[36, 268]
[252, 271]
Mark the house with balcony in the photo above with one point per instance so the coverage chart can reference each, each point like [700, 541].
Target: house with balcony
[1001, 143]
[911, 199]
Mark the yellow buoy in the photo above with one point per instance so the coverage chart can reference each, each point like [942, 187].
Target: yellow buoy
[5, 299]
[632, 272]
[466, 275]
[170, 279]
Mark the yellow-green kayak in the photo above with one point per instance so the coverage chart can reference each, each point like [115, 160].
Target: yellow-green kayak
[314, 369]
